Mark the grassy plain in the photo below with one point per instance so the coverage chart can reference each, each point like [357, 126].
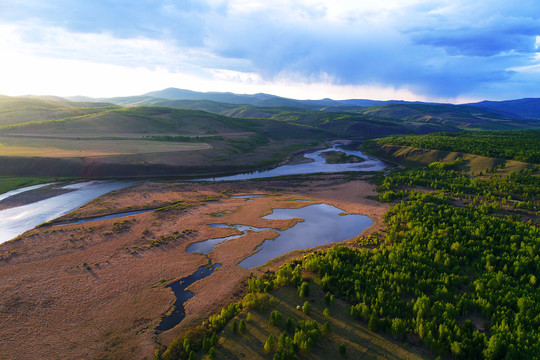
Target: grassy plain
[136, 142]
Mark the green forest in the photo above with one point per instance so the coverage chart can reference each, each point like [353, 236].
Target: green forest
[520, 145]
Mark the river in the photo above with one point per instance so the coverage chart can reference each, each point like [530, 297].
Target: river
[16, 220]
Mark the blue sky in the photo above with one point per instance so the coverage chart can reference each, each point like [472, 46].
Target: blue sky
[454, 51]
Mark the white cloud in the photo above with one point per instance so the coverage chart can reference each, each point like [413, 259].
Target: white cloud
[424, 49]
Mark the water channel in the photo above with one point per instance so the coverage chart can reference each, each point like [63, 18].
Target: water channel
[16, 220]
[182, 295]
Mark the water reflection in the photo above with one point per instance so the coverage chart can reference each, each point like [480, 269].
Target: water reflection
[15, 221]
[182, 295]
[204, 247]
[317, 165]
[323, 224]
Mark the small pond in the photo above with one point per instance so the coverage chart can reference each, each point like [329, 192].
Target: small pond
[204, 247]
[323, 224]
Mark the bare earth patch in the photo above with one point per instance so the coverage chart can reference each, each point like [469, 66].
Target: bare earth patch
[98, 290]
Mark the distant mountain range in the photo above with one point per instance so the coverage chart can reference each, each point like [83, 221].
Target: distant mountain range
[218, 102]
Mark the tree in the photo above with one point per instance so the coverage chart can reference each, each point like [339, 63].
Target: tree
[269, 344]
[326, 313]
[276, 318]
[329, 299]
[373, 323]
[214, 339]
[242, 326]
[303, 290]
[306, 308]
[289, 324]
[342, 349]
[399, 328]
[207, 344]
[212, 353]
[327, 329]
[235, 326]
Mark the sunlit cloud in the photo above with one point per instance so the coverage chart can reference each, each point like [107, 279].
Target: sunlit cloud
[419, 49]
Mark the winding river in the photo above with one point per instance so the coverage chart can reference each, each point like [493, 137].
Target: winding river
[16, 220]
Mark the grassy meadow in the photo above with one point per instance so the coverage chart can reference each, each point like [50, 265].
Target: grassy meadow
[8, 183]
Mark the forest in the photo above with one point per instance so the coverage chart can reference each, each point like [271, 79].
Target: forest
[456, 265]
[520, 145]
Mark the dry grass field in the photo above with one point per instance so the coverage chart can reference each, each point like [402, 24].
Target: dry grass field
[98, 290]
[65, 148]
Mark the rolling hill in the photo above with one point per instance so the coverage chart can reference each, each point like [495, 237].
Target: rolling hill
[16, 110]
[148, 135]
[528, 109]
[521, 108]
[144, 141]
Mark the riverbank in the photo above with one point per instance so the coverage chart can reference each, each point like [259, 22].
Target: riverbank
[104, 283]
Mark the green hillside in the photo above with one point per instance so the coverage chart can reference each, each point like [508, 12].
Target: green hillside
[139, 141]
[341, 124]
[383, 120]
[17, 110]
[73, 137]
[452, 116]
[519, 145]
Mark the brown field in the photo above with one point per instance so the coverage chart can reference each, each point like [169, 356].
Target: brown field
[61, 148]
[97, 290]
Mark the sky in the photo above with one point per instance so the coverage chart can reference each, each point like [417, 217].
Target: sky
[426, 50]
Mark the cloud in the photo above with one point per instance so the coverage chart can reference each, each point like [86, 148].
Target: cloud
[438, 49]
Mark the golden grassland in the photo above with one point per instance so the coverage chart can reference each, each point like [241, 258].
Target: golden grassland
[96, 147]
[98, 290]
